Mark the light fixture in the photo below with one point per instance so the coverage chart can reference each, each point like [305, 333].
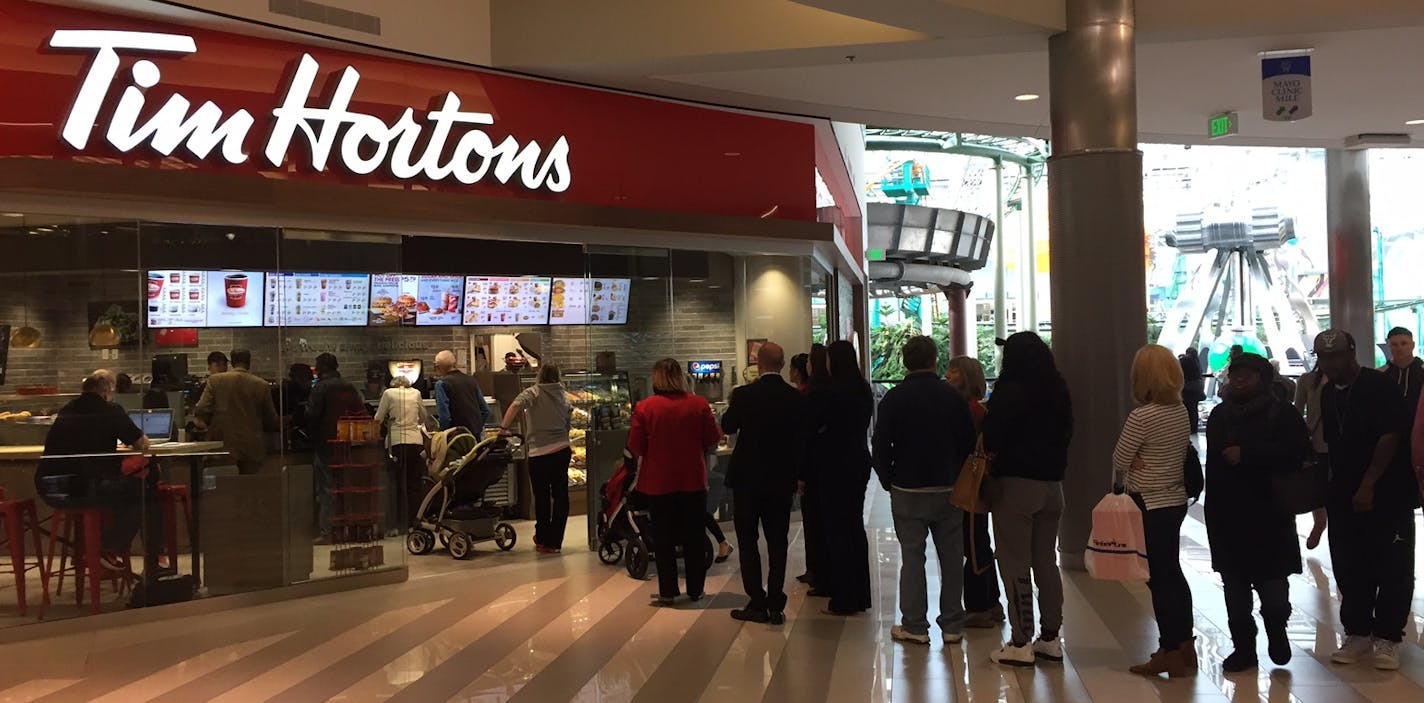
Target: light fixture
[14, 214]
[731, 153]
[1412, 123]
[1026, 97]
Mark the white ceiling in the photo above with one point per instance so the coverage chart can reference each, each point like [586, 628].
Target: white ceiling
[956, 64]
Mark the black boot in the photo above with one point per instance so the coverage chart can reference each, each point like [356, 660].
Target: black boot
[1277, 645]
[1243, 659]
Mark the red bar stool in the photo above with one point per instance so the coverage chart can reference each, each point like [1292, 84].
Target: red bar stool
[71, 528]
[17, 517]
[170, 496]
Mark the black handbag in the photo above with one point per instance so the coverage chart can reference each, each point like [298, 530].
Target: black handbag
[1302, 489]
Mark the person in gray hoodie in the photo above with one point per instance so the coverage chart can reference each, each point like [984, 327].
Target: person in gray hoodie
[546, 435]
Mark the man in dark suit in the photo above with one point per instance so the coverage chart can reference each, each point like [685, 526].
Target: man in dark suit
[767, 417]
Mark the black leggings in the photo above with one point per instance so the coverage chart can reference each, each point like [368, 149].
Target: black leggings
[1171, 596]
[407, 470]
[715, 530]
[549, 477]
[678, 520]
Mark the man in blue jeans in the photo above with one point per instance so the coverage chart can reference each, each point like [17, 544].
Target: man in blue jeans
[923, 434]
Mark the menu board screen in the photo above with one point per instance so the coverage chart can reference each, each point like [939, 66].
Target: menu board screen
[506, 300]
[204, 299]
[410, 300]
[589, 301]
[317, 299]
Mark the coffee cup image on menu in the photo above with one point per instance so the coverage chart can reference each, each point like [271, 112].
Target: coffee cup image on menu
[235, 284]
[155, 285]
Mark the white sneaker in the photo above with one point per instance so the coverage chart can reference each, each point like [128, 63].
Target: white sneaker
[1352, 650]
[1013, 656]
[953, 637]
[1049, 649]
[900, 634]
[1386, 655]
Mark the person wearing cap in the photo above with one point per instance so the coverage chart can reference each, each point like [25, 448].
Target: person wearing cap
[1250, 436]
[1370, 502]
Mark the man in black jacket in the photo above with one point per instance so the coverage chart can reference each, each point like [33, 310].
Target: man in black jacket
[767, 416]
[459, 401]
[923, 434]
[331, 397]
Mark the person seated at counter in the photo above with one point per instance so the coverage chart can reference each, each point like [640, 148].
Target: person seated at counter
[93, 424]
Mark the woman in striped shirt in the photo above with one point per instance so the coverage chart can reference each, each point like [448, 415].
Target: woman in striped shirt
[1151, 452]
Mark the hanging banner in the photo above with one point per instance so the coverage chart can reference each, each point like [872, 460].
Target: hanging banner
[1285, 88]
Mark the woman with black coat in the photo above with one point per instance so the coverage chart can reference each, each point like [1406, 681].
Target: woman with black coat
[842, 425]
[1253, 544]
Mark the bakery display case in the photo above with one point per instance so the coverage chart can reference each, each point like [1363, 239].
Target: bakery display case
[602, 413]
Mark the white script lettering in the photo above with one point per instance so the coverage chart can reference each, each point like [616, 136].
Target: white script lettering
[362, 143]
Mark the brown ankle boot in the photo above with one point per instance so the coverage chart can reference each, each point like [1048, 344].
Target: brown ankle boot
[1175, 663]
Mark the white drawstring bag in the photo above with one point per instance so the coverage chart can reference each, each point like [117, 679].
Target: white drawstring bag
[1117, 548]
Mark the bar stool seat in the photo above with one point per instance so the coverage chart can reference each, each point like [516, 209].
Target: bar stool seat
[16, 518]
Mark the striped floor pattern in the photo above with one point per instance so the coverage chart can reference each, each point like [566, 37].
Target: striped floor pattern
[520, 627]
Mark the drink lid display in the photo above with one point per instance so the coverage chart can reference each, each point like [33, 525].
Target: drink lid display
[192, 299]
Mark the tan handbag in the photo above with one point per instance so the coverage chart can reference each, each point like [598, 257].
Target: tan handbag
[970, 492]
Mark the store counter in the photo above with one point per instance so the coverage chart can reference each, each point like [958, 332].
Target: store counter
[33, 452]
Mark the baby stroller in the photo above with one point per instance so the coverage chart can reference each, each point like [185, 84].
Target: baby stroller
[461, 469]
[623, 522]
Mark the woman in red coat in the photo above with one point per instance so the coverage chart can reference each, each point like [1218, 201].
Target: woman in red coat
[672, 432]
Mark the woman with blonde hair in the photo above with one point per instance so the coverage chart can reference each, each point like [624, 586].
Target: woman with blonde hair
[546, 435]
[672, 432]
[1151, 451]
[404, 418]
[981, 585]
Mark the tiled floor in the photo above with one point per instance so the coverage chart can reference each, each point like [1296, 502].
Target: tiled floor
[524, 627]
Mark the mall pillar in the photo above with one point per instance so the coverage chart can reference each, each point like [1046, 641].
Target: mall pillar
[1098, 281]
[1347, 210]
[959, 320]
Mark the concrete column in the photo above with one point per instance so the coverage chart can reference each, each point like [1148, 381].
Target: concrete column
[1001, 314]
[1347, 210]
[1031, 220]
[1098, 283]
[960, 321]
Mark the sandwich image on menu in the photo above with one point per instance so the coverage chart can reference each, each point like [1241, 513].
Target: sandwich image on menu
[506, 300]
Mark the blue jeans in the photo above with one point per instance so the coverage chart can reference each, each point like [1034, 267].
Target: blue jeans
[918, 517]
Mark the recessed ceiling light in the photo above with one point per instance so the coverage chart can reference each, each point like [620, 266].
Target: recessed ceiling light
[1414, 122]
[1026, 97]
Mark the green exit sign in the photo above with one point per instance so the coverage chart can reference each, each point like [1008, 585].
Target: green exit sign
[1222, 125]
[875, 255]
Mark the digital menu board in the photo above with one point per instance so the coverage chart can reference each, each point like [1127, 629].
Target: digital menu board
[190, 299]
[317, 299]
[507, 300]
[589, 301]
[411, 300]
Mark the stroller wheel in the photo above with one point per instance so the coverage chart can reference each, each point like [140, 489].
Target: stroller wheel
[461, 546]
[505, 536]
[610, 552]
[419, 541]
[637, 558]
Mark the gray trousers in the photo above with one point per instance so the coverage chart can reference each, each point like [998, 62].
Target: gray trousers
[918, 517]
[1026, 515]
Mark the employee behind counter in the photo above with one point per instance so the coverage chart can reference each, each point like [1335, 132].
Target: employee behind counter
[93, 424]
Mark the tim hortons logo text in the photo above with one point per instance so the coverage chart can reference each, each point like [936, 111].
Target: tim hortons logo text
[360, 143]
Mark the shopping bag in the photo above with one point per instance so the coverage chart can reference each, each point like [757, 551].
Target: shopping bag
[970, 491]
[1117, 547]
[1300, 490]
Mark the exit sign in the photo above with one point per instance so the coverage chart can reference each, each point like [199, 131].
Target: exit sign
[1222, 125]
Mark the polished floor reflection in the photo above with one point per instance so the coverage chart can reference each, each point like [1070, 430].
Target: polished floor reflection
[524, 627]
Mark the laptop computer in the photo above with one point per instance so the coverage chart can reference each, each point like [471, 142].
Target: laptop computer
[157, 425]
